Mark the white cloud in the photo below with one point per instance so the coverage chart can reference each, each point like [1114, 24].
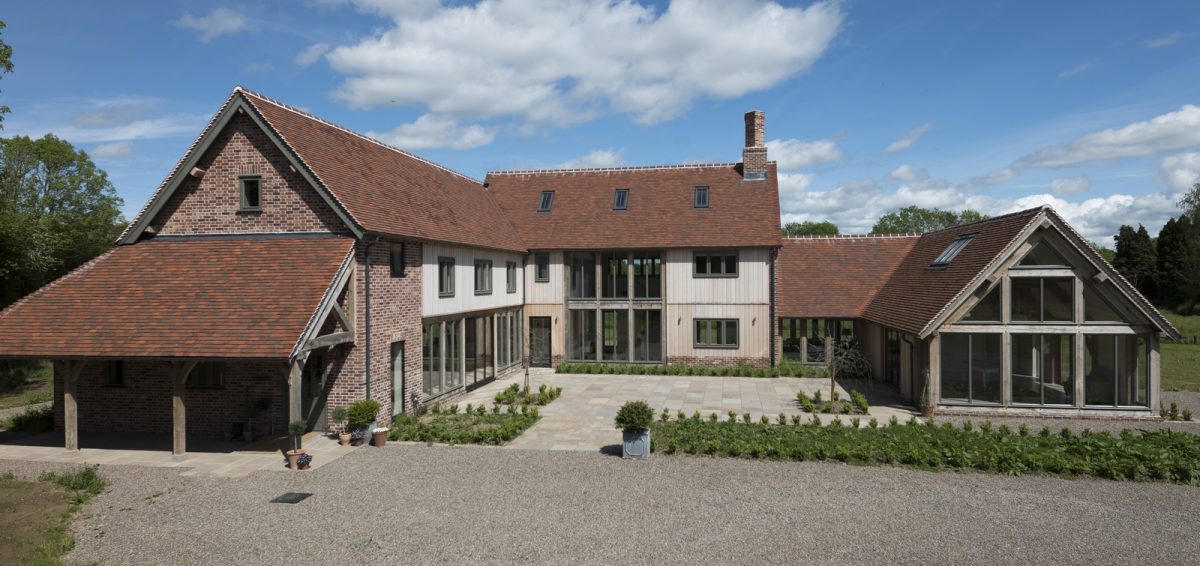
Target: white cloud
[429, 132]
[1169, 39]
[558, 63]
[797, 154]
[908, 174]
[1066, 73]
[114, 120]
[114, 111]
[993, 178]
[1170, 131]
[1064, 186]
[256, 68]
[1180, 172]
[598, 158]
[311, 54]
[908, 139]
[115, 150]
[220, 21]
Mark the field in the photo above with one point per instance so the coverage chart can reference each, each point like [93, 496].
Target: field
[1181, 362]
[25, 383]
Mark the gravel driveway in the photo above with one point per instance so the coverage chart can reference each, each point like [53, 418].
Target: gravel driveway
[419, 504]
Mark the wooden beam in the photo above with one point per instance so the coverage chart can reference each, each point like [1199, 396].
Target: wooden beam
[329, 340]
[179, 375]
[70, 371]
[351, 310]
[295, 374]
[342, 318]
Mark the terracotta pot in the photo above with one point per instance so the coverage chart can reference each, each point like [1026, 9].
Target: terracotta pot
[344, 438]
[292, 457]
[927, 411]
[379, 438]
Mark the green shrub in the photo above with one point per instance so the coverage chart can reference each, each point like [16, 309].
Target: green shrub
[32, 420]
[516, 395]
[467, 428]
[764, 420]
[1187, 414]
[666, 415]
[712, 417]
[859, 401]
[86, 482]
[746, 417]
[634, 416]
[362, 413]
[782, 419]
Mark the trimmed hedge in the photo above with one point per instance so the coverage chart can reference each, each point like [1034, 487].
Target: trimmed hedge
[476, 425]
[1152, 455]
[784, 370]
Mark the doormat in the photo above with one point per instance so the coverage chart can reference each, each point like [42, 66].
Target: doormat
[291, 497]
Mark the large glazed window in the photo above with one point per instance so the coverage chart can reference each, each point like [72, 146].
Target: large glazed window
[1097, 309]
[431, 352]
[971, 368]
[453, 366]
[647, 335]
[987, 309]
[1043, 255]
[1043, 299]
[614, 275]
[583, 276]
[1115, 371]
[615, 325]
[647, 276]
[582, 335]
[1043, 369]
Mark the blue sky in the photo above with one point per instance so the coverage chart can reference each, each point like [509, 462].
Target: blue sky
[1092, 107]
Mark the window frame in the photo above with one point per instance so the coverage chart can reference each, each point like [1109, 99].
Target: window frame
[445, 274]
[541, 261]
[951, 251]
[621, 199]
[114, 373]
[708, 254]
[546, 201]
[243, 202]
[215, 372]
[510, 277]
[716, 327]
[486, 265]
[699, 190]
[396, 259]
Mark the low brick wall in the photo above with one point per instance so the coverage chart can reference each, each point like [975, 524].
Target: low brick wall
[719, 362]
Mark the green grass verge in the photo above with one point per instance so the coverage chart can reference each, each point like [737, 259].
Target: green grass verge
[786, 369]
[31, 420]
[1160, 455]
[476, 426]
[37, 515]
[25, 383]
[1181, 362]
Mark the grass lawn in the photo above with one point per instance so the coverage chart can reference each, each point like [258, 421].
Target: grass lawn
[35, 516]
[1181, 362]
[25, 383]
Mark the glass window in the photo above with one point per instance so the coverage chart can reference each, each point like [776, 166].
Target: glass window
[453, 355]
[546, 200]
[621, 199]
[647, 335]
[1043, 299]
[1043, 369]
[715, 264]
[251, 193]
[582, 335]
[1115, 370]
[790, 333]
[716, 333]
[647, 276]
[614, 273]
[1097, 309]
[541, 262]
[701, 197]
[583, 276]
[987, 309]
[483, 277]
[396, 259]
[956, 245]
[445, 277]
[814, 329]
[431, 353]
[114, 373]
[1042, 255]
[510, 275]
[615, 326]
[207, 375]
[971, 366]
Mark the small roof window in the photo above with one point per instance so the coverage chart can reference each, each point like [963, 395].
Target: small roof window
[956, 245]
[701, 197]
[547, 200]
[621, 199]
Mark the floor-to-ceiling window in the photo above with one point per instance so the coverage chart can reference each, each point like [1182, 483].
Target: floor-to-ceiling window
[581, 269]
[971, 368]
[582, 335]
[615, 326]
[1043, 369]
[647, 276]
[431, 381]
[647, 335]
[1116, 371]
[460, 351]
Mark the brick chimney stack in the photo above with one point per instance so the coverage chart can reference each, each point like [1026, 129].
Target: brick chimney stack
[754, 155]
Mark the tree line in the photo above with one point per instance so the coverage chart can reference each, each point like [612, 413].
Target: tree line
[1166, 268]
[907, 220]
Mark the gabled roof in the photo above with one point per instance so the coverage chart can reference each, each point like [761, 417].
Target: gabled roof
[180, 297]
[835, 276]
[375, 187]
[660, 212]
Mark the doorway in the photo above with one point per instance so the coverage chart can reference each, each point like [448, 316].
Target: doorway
[539, 341]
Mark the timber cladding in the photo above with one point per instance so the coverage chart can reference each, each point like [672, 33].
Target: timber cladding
[212, 204]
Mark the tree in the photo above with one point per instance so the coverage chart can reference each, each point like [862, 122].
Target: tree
[919, 220]
[57, 210]
[810, 228]
[1174, 258]
[1190, 203]
[1136, 258]
[6, 66]
[1107, 253]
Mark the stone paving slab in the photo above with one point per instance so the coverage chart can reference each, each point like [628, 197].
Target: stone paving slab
[582, 418]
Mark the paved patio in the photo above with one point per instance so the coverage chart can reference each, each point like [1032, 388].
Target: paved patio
[205, 457]
[582, 418]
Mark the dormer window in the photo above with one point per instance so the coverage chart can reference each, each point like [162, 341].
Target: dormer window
[547, 200]
[701, 197]
[621, 199]
[956, 245]
[251, 194]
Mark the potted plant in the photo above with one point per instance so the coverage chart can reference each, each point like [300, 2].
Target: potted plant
[926, 406]
[304, 461]
[296, 430]
[361, 416]
[634, 420]
[379, 436]
[339, 418]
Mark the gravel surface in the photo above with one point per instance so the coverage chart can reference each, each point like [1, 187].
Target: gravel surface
[420, 504]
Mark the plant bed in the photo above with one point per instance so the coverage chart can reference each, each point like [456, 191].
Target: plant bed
[516, 395]
[856, 405]
[1158, 455]
[475, 426]
[784, 370]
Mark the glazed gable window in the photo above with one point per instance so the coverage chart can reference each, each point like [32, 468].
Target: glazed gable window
[251, 194]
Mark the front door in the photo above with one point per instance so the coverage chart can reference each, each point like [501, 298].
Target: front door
[312, 392]
[539, 341]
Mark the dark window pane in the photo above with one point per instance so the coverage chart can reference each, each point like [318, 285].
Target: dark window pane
[1042, 255]
[542, 261]
[714, 265]
[1058, 304]
[987, 309]
[731, 265]
[701, 265]
[1042, 369]
[1096, 309]
[956, 368]
[1026, 299]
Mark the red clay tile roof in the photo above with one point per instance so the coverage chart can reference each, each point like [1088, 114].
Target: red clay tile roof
[660, 211]
[387, 190]
[179, 298]
[835, 277]
[915, 294]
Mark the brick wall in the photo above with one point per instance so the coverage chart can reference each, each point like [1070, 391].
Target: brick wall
[144, 403]
[720, 362]
[210, 205]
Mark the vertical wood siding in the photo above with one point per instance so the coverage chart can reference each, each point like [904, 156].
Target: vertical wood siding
[465, 299]
[545, 292]
[754, 323]
[751, 286]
